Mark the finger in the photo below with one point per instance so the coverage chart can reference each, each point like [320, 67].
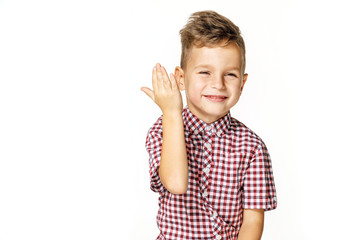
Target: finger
[161, 81]
[148, 92]
[154, 79]
[173, 82]
[165, 76]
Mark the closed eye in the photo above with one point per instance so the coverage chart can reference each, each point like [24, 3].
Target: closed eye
[203, 72]
[232, 74]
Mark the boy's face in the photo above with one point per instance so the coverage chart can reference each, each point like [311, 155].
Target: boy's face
[213, 80]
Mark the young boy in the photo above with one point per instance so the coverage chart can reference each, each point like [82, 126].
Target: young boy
[213, 174]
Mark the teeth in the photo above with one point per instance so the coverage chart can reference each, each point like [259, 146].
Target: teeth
[216, 97]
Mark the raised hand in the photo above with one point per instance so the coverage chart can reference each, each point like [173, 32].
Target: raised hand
[166, 93]
[173, 169]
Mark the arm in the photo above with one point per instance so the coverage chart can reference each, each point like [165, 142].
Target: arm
[253, 224]
[173, 170]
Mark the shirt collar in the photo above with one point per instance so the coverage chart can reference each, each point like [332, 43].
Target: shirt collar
[193, 124]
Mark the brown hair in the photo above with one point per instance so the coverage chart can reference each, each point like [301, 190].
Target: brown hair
[208, 28]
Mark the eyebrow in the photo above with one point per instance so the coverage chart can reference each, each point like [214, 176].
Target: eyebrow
[203, 66]
[209, 66]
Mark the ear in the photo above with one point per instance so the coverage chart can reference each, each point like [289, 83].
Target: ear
[245, 76]
[180, 78]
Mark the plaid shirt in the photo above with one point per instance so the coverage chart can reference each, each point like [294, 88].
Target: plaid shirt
[229, 170]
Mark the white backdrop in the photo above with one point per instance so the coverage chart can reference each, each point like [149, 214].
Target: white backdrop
[73, 120]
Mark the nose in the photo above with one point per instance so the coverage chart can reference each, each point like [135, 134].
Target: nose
[218, 82]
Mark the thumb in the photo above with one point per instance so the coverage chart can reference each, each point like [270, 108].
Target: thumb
[148, 92]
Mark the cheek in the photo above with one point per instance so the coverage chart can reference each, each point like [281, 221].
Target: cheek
[236, 88]
[195, 89]
[235, 92]
[193, 94]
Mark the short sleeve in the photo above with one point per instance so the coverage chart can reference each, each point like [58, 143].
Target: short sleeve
[153, 146]
[259, 186]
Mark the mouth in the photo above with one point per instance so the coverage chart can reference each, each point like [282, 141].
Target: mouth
[215, 98]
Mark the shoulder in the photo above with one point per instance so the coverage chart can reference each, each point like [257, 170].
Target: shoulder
[244, 133]
[154, 134]
[249, 141]
[156, 128]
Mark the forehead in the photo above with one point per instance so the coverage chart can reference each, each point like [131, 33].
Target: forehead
[229, 56]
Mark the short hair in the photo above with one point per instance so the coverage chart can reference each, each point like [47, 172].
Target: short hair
[208, 28]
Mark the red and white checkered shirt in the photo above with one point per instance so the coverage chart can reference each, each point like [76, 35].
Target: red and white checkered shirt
[229, 170]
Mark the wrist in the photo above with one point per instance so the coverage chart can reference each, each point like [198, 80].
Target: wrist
[175, 113]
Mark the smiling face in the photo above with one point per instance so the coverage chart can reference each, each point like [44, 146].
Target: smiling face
[213, 80]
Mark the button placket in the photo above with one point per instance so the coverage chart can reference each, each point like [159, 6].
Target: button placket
[218, 133]
[208, 145]
[208, 128]
[205, 193]
[207, 159]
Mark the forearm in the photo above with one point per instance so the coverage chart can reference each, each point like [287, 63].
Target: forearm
[173, 168]
[252, 226]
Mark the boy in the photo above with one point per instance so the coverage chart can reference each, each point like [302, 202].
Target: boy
[213, 174]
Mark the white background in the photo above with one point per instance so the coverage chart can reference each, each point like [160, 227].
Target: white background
[73, 120]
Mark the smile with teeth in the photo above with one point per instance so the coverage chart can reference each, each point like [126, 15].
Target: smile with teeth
[215, 98]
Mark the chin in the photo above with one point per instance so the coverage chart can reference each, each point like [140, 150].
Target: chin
[216, 113]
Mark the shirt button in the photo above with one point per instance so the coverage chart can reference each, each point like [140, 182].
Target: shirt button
[208, 146]
[215, 214]
[207, 170]
[218, 134]
[205, 194]
[218, 237]
[208, 128]
[196, 131]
